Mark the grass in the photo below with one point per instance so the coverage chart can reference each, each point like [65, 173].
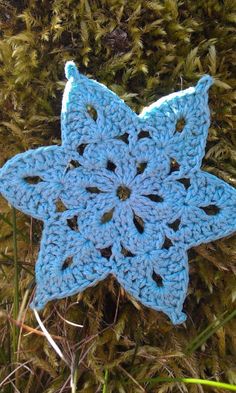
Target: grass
[195, 381]
[209, 331]
[105, 385]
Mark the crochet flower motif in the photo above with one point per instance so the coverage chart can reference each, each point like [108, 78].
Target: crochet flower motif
[123, 194]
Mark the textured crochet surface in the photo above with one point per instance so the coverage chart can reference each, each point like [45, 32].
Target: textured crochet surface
[123, 194]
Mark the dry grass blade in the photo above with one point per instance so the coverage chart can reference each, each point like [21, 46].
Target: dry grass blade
[49, 338]
[69, 322]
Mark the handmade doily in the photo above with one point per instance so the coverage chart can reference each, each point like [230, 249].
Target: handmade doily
[123, 194]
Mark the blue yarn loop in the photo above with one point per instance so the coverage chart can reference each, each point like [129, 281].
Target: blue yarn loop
[124, 194]
[71, 70]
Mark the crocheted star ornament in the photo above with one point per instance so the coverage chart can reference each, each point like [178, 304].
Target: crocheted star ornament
[123, 194]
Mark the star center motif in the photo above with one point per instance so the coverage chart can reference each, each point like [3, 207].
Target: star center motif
[124, 194]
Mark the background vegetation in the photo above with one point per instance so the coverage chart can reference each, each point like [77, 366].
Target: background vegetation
[141, 49]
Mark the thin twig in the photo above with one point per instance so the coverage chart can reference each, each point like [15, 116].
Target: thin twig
[64, 385]
[132, 379]
[13, 372]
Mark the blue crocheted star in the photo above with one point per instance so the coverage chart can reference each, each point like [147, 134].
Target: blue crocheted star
[123, 194]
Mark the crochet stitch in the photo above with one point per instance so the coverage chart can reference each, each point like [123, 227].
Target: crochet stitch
[123, 194]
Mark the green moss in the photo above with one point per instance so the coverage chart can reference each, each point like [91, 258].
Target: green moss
[141, 49]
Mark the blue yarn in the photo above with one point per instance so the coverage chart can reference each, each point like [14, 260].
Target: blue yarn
[133, 198]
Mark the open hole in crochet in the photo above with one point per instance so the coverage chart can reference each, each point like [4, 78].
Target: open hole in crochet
[143, 134]
[157, 278]
[92, 112]
[154, 197]
[60, 207]
[141, 167]
[123, 192]
[139, 223]
[185, 181]
[68, 262]
[174, 166]
[167, 243]
[180, 124]
[126, 253]
[106, 252]
[93, 190]
[73, 223]
[106, 217]
[124, 138]
[111, 166]
[73, 164]
[211, 210]
[33, 179]
[81, 148]
[175, 225]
